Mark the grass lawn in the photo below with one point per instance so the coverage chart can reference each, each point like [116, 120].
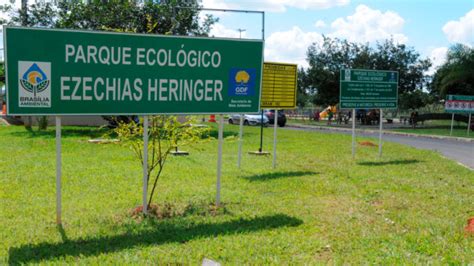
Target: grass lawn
[318, 206]
[435, 127]
[307, 121]
[441, 128]
[457, 131]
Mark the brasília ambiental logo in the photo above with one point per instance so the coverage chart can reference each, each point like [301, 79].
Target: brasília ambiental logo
[34, 80]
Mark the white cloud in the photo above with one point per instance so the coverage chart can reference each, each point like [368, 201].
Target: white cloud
[368, 25]
[275, 5]
[320, 24]
[219, 30]
[461, 30]
[290, 46]
[218, 4]
[437, 57]
[282, 46]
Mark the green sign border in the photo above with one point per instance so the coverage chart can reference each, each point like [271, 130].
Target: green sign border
[256, 106]
[454, 97]
[341, 81]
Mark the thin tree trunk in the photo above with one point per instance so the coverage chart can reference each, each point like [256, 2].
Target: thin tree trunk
[155, 183]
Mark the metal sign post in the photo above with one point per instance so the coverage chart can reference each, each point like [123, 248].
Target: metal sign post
[353, 132]
[261, 132]
[260, 149]
[380, 133]
[145, 164]
[469, 124]
[241, 131]
[452, 124]
[275, 118]
[58, 171]
[219, 159]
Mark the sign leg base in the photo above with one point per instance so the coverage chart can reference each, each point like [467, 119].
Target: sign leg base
[180, 153]
[258, 153]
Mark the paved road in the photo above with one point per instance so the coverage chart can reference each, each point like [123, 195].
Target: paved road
[460, 151]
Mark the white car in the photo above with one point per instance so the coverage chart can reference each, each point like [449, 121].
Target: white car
[249, 119]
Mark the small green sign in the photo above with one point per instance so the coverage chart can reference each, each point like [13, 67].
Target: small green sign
[459, 104]
[361, 88]
[64, 72]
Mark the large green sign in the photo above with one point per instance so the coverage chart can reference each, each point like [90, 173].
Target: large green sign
[360, 88]
[66, 72]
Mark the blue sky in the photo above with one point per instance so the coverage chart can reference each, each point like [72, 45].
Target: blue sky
[430, 26]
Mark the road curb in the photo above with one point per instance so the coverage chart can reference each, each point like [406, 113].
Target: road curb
[386, 132]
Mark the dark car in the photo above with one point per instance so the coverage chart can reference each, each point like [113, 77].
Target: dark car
[270, 114]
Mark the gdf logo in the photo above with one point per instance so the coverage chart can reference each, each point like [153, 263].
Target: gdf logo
[242, 81]
[241, 90]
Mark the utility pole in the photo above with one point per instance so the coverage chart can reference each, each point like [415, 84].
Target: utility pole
[240, 32]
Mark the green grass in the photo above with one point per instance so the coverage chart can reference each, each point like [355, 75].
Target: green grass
[307, 121]
[440, 128]
[318, 206]
[457, 132]
[435, 127]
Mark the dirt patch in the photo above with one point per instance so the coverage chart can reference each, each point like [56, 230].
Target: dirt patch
[367, 144]
[469, 229]
[169, 210]
[166, 210]
[337, 209]
[324, 254]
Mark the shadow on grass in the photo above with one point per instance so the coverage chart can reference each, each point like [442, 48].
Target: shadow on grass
[91, 132]
[214, 133]
[162, 234]
[394, 162]
[62, 233]
[270, 176]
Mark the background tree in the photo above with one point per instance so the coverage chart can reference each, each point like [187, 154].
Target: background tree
[304, 90]
[414, 100]
[2, 73]
[3, 9]
[325, 61]
[328, 58]
[164, 17]
[456, 75]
